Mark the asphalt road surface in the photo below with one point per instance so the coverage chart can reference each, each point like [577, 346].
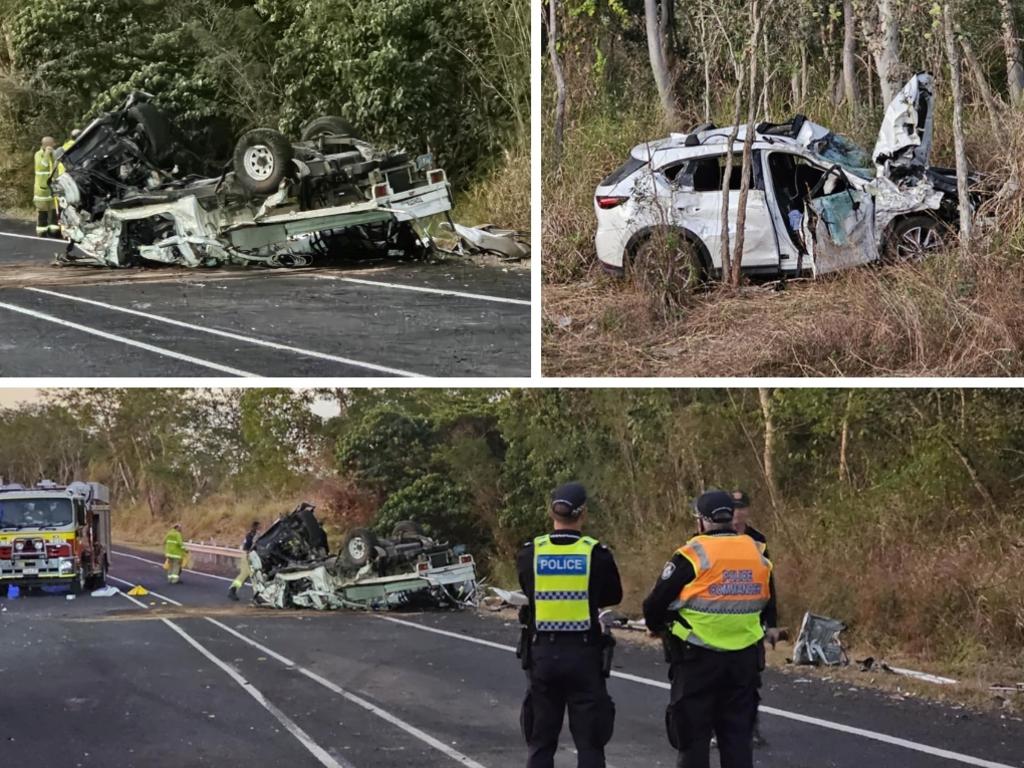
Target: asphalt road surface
[183, 677]
[453, 318]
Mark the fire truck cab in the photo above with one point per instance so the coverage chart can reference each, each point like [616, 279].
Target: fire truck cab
[55, 535]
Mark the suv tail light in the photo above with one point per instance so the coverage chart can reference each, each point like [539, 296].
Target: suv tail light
[606, 203]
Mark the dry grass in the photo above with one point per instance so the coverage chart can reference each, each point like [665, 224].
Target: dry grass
[502, 197]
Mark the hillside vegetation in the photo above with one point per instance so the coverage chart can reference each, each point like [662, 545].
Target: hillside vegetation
[950, 315]
[449, 76]
[898, 511]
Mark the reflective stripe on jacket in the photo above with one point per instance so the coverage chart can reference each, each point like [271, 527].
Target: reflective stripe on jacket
[174, 545]
[561, 586]
[721, 608]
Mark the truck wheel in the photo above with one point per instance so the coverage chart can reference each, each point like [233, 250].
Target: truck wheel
[263, 157]
[359, 546]
[405, 528]
[100, 579]
[329, 125]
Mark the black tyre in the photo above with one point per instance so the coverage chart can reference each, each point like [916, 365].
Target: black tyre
[912, 238]
[360, 545]
[405, 528]
[667, 265]
[263, 158]
[329, 125]
[157, 130]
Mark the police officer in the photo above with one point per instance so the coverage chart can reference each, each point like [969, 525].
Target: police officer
[567, 577]
[708, 605]
[42, 197]
[244, 570]
[741, 524]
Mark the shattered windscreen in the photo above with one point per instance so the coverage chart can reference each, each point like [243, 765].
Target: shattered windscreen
[843, 151]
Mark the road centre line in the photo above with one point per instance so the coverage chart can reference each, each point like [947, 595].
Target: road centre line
[230, 335]
[125, 340]
[425, 289]
[867, 734]
[451, 752]
[322, 756]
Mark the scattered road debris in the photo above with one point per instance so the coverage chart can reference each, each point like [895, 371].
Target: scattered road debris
[818, 642]
[506, 244]
[105, 592]
[926, 677]
[292, 567]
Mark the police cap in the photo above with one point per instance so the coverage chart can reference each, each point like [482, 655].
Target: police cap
[567, 500]
[716, 506]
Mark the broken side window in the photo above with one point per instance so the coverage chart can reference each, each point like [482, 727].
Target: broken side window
[705, 174]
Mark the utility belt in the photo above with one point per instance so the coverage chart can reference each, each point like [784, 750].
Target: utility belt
[528, 640]
[678, 650]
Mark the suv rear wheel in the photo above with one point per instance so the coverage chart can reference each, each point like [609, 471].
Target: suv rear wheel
[667, 264]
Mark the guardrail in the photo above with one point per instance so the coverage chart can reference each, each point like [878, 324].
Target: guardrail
[197, 547]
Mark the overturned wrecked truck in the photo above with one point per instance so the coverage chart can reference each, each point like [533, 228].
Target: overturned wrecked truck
[130, 190]
[292, 567]
[817, 202]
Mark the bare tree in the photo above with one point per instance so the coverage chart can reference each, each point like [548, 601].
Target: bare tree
[1014, 66]
[556, 70]
[849, 56]
[978, 74]
[882, 35]
[748, 140]
[659, 62]
[768, 457]
[727, 176]
[953, 56]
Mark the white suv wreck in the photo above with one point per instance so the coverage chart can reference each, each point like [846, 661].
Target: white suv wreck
[817, 203]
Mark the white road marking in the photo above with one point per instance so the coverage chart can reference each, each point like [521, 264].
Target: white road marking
[412, 730]
[32, 237]
[165, 598]
[863, 732]
[425, 289]
[159, 564]
[230, 335]
[125, 340]
[304, 738]
[454, 754]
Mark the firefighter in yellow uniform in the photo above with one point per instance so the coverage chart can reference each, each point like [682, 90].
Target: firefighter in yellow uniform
[708, 607]
[567, 577]
[174, 552]
[42, 197]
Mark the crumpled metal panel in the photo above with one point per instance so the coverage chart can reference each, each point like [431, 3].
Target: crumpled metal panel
[818, 642]
[903, 145]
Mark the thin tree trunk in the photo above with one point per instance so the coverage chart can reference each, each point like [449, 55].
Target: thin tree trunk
[556, 70]
[803, 73]
[768, 458]
[706, 55]
[972, 473]
[849, 58]
[727, 178]
[882, 37]
[1014, 66]
[659, 66]
[844, 439]
[983, 88]
[953, 56]
[748, 141]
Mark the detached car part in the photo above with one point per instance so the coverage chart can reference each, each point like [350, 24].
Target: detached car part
[818, 642]
[130, 191]
[292, 567]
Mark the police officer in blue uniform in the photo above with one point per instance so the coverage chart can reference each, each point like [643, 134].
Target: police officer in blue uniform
[567, 577]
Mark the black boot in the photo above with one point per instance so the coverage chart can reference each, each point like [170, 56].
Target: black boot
[233, 593]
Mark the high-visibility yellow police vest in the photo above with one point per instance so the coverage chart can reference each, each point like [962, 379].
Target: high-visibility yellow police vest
[561, 586]
[721, 608]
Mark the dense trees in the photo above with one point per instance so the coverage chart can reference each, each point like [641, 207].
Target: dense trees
[451, 76]
[907, 498]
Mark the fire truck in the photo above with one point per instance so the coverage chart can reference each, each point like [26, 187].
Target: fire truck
[54, 534]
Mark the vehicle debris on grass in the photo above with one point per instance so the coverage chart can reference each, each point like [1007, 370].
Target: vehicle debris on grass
[129, 191]
[817, 201]
[818, 642]
[292, 567]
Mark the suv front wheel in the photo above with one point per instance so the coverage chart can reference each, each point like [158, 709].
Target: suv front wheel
[912, 238]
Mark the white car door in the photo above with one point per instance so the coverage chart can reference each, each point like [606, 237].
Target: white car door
[840, 227]
[697, 200]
